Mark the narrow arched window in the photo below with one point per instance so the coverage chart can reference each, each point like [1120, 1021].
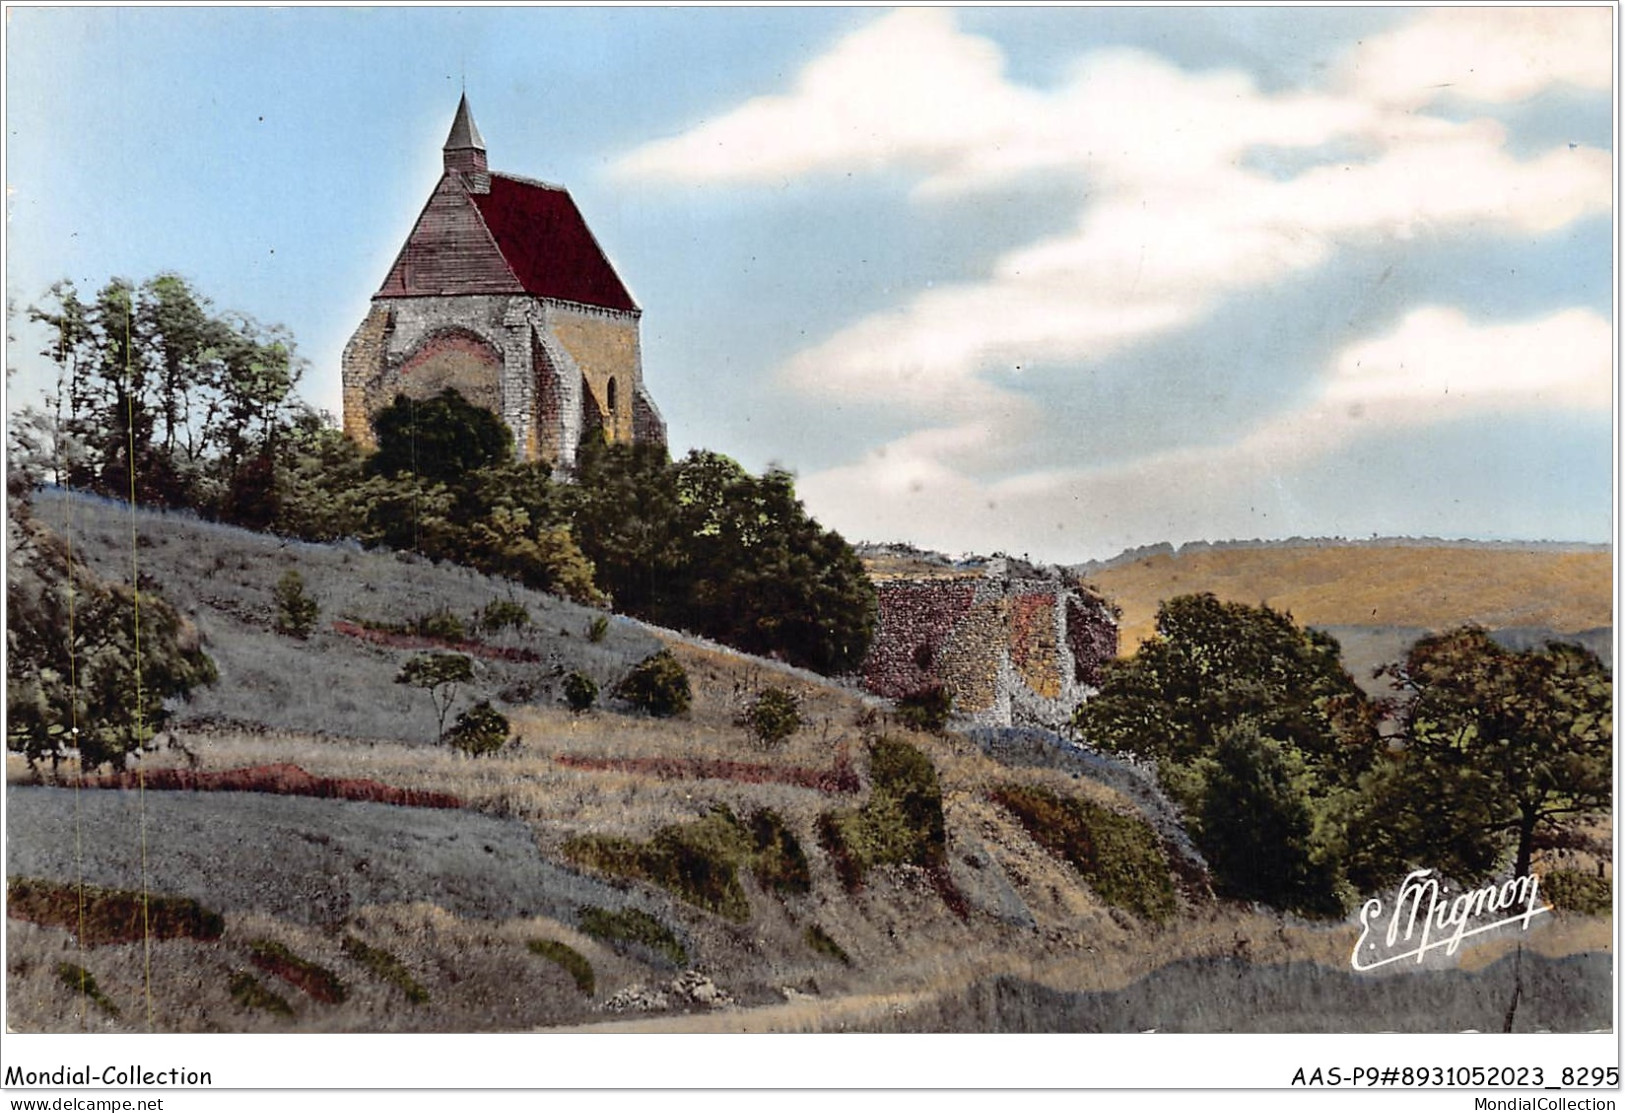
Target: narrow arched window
[612, 406]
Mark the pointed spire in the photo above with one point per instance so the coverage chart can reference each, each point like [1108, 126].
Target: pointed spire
[464, 133]
[464, 151]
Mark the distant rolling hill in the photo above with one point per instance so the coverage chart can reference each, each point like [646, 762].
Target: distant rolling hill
[1381, 595]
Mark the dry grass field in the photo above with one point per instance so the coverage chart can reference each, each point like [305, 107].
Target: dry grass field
[1415, 586]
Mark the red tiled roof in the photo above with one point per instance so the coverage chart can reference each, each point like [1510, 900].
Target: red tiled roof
[548, 245]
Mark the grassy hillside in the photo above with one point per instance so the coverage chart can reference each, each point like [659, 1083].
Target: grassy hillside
[1414, 586]
[603, 869]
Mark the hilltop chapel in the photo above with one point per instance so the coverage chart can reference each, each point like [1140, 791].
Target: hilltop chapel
[503, 294]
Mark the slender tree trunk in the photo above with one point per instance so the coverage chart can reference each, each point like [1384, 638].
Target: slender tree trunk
[1526, 842]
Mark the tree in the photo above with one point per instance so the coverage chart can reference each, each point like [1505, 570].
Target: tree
[1501, 748]
[296, 611]
[161, 398]
[438, 439]
[1255, 726]
[74, 678]
[658, 684]
[438, 674]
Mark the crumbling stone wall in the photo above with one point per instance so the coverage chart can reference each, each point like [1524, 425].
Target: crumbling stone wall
[1014, 644]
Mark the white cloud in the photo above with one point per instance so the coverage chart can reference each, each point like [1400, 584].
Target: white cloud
[1178, 215]
[907, 88]
[1175, 218]
[1486, 54]
[1434, 367]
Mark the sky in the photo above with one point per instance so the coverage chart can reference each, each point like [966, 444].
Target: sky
[1052, 281]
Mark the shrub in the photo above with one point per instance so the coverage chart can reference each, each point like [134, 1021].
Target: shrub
[571, 960]
[772, 717]
[598, 629]
[658, 686]
[296, 612]
[317, 982]
[634, 927]
[102, 916]
[441, 624]
[901, 824]
[580, 692]
[700, 861]
[83, 982]
[482, 729]
[1574, 891]
[926, 709]
[247, 991]
[1117, 855]
[385, 967]
[502, 614]
[819, 940]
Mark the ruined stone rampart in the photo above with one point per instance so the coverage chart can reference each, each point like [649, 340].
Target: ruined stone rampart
[1013, 643]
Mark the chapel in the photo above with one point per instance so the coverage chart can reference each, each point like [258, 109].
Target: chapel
[503, 294]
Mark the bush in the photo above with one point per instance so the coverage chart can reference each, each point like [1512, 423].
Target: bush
[700, 861]
[580, 692]
[1117, 855]
[502, 614]
[386, 967]
[772, 717]
[598, 629]
[658, 686]
[296, 612]
[482, 729]
[439, 674]
[440, 624]
[573, 961]
[634, 927]
[1574, 891]
[926, 709]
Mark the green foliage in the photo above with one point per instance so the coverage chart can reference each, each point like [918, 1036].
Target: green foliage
[1119, 856]
[503, 614]
[440, 624]
[657, 685]
[1574, 891]
[99, 917]
[571, 960]
[700, 861]
[318, 982]
[580, 692]
[630, 926]
[902, 821]
[247, 991]
[438, 674]
[926, 709]
[385, 967]
[482, 729]
[438, 439]
[701, 544]
[296, 611]
[1501, 749]
[1259, 734]
[83, 982]
[822, 943]
[163, 399]
[1258, 827]
[772, 717]
[598, 628]
[72, 666]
